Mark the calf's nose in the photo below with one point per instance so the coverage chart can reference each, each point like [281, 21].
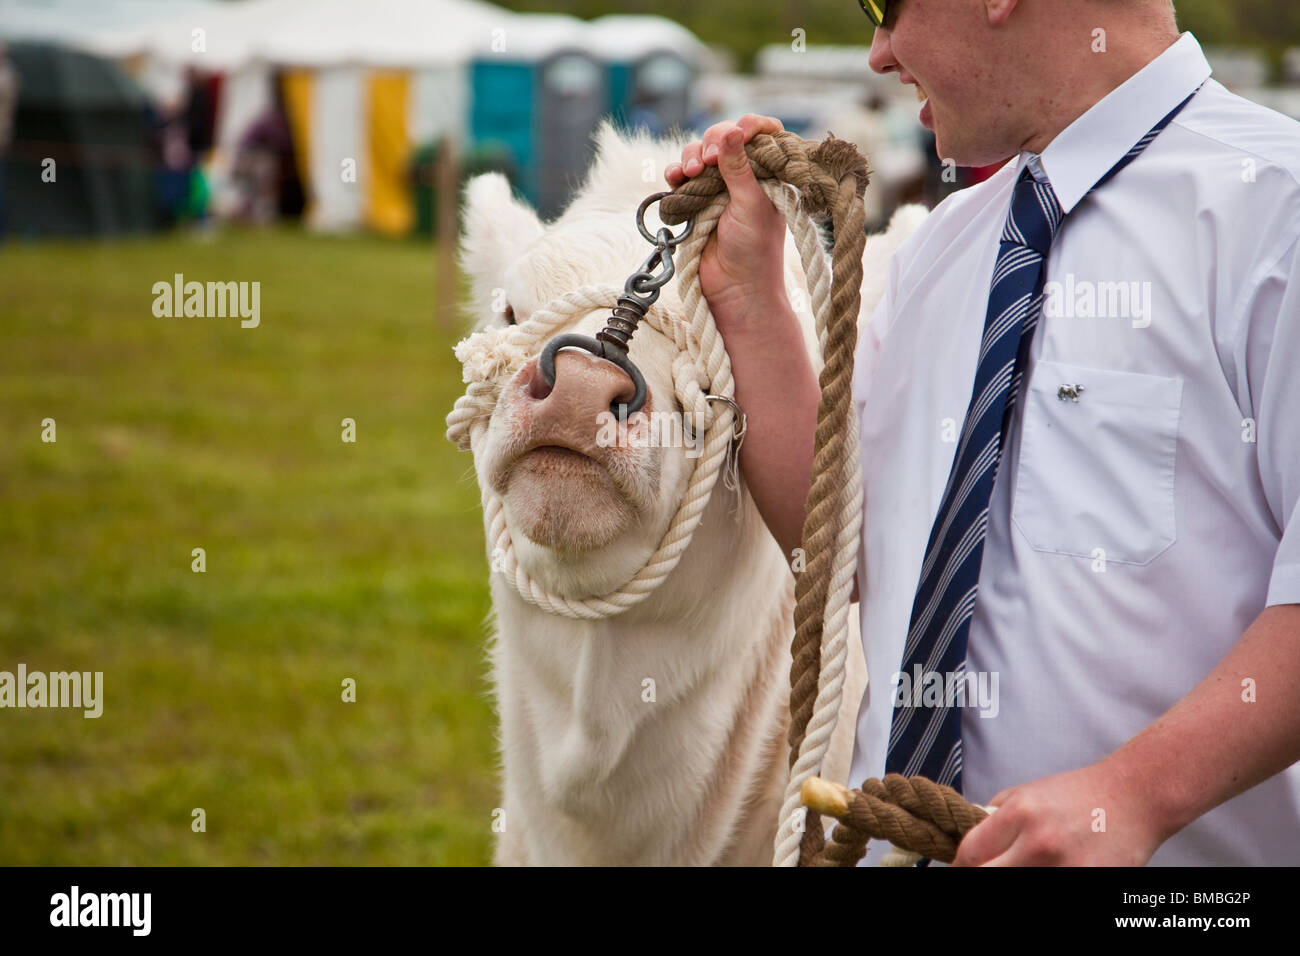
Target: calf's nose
[584, 387]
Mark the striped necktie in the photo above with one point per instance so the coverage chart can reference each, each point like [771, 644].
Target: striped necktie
[925, 739]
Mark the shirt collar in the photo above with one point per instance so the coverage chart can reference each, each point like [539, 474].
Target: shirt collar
[1085, 150]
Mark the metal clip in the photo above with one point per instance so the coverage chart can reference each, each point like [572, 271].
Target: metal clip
[740, 425]
[613, 342]
[731, 468]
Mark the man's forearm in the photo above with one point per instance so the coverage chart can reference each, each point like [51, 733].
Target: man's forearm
[1237, 727]
[778, 391]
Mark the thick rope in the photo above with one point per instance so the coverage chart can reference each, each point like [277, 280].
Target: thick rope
[919, 817]
[833, 653]
[831, 177]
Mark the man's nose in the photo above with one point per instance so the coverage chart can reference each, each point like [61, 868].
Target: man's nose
[881, 59]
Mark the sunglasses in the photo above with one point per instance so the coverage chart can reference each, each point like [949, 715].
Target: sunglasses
[875, 10]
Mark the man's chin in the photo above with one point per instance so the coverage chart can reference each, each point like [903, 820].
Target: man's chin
[948, 151]
[961, 151]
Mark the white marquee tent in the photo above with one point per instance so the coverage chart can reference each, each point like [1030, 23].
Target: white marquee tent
[366, 81]
[398, 34]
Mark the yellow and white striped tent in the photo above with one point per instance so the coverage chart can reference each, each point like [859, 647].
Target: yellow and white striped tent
[364, 82]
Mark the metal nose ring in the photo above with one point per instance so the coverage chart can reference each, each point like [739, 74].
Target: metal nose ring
[639, 293]
[603, 349]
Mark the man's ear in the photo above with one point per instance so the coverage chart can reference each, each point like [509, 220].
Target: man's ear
[498, 229]
[998, 11]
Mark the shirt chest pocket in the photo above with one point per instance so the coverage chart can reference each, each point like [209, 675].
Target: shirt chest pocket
[1097, 455]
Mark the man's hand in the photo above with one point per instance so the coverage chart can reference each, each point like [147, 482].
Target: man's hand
[741, 267]
[1087, 817]
[742, 276]
[1212, 745]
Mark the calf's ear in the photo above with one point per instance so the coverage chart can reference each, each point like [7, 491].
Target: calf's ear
[498, 228]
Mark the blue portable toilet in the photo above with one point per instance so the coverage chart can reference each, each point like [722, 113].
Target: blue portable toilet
[541, 97]
[652, 65]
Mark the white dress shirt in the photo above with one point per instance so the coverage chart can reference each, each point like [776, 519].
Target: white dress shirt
[1134, 533]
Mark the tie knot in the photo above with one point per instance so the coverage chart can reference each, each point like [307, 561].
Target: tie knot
[1035, 214]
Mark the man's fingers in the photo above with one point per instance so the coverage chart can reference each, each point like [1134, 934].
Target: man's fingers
[712, 138]
[710, 148]
[707, 150]
[752, 124]
[988, 839]
[1009, 858]
[691, 162]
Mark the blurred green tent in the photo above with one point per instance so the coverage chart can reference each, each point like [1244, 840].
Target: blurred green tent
[81, 161]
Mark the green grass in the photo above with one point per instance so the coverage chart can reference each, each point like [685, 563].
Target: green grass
[325, 560]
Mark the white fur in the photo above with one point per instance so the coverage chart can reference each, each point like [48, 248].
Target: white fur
[593, 772]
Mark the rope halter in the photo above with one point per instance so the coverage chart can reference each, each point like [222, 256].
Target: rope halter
[701, 381]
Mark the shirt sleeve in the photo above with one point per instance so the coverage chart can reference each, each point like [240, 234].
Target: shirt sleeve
[1270, 336]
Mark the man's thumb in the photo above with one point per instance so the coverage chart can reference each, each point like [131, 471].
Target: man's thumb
[733, 163]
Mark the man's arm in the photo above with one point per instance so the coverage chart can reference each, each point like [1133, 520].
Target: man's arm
[1236, 728]
[743, 278]
[778, 390]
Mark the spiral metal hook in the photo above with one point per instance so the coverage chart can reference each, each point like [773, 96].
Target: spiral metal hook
[641, 290]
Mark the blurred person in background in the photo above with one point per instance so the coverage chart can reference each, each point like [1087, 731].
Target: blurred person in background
[171, 144]
[200, 117]
[265, 171]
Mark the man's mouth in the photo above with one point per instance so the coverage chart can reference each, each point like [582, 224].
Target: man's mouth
[926, 117]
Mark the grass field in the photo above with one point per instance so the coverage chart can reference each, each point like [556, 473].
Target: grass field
[325, 560]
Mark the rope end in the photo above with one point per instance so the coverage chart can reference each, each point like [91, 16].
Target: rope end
[842, 158]
[897, 856]
[825, 796]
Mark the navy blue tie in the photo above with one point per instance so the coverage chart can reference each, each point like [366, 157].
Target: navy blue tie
[925, 737]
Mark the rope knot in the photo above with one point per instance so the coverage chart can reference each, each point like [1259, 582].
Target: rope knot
[691, 384]
[491, 355]
[912, 813]
[815, 169]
